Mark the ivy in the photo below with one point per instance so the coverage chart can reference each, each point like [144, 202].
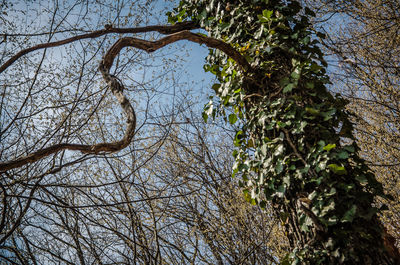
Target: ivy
[290, 149]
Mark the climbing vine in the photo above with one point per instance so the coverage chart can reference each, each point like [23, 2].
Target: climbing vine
[295, 147]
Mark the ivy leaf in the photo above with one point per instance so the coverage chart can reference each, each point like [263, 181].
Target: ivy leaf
[238, 138]
[262, 19]
[284, 81]
[281, 124]
[321, 165]
[349, 215]
[306, 40]
[329, 147]
[342, 155]
[305, 222]
[279, 168]
[201, 16]
[247, 195]
[205, 117]
[331, 192]
[296, 73]
[328, 208]
[280, 192]
[259, 32]
[315, 67]
[216, 87]
[310, 85]
[312, 111]
[264, 149]
[332, 220]
[278, 150]
[250, 143]
[267, 13]
[328, 114]
[337, 169]
[288, 88]
[349, 148]
[232, 118]
[362, 179]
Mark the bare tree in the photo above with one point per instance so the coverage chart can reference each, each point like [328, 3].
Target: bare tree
[75, 188]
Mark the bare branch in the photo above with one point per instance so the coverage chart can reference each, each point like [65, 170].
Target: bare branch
[117, 87]
[95, 34]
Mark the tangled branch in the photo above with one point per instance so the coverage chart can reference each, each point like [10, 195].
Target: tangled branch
[116, 86]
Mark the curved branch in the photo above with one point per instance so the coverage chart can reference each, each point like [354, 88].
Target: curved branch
[117, 89]
[151, 46]
[95, 34]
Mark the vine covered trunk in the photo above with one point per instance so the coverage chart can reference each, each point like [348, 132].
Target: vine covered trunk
[295, 148]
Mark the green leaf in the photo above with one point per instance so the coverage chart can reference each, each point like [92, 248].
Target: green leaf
[280, 192]
[262, 19]
[267, 13]
[349, 148]
[247, 196]
[281, 124]
[310, 85]
[305, 222]
[328, 114]
[362, 179]
[264, 149]
[250, 143]
[259, 32]
[201, 16]
[284, 81]
[216, 87]
[235, 153]
[312, 111]
[288, 88]
[331, 192]
[326, 209]
[349, 215]
[278, 150]
[285, 260]
[332, 220]
[205, 117]
[238, 138]
[306, 40]
[329, 147]
[279, 168]
[342, 155]
[232, 118]
[315, 68]
[321, 165]
[296, 73]
[337, 169]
